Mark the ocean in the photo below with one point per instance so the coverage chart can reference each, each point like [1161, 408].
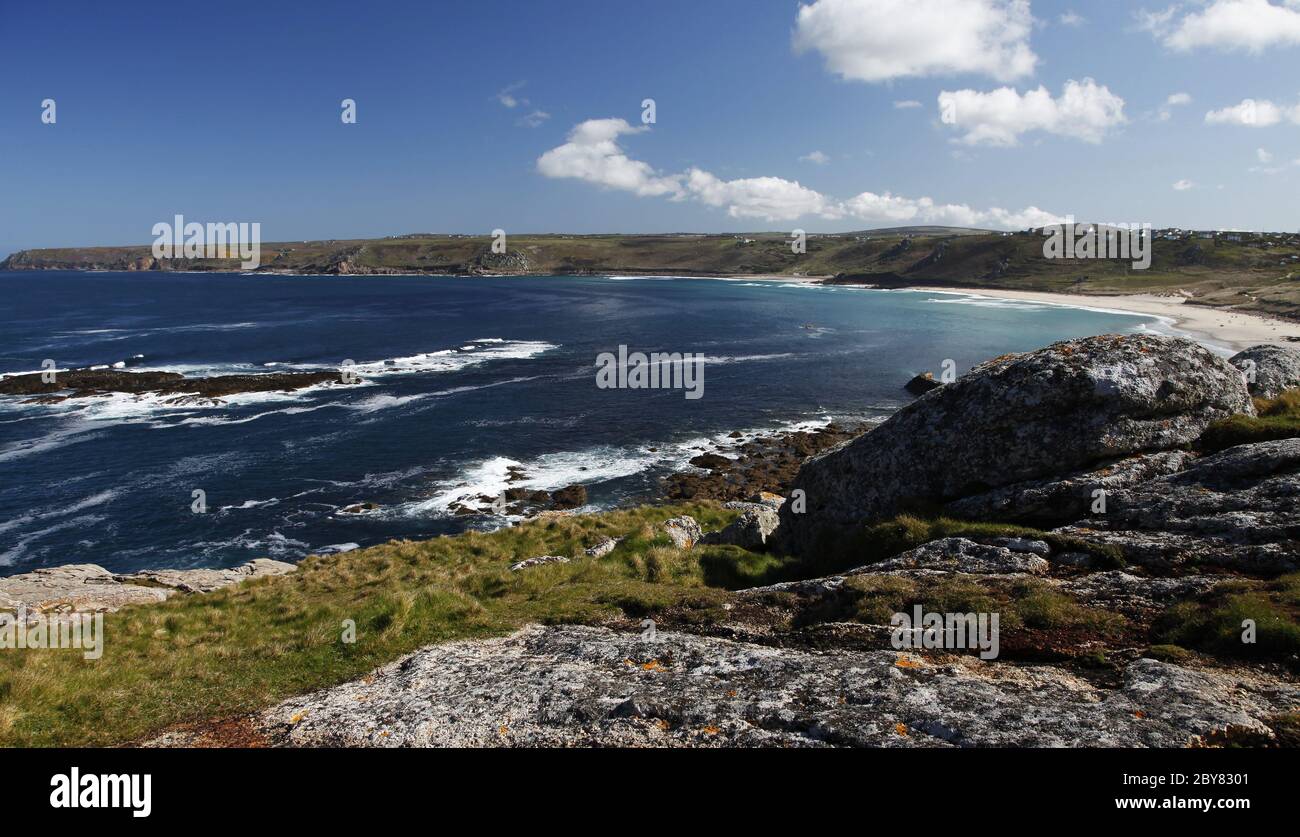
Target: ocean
[463, 378]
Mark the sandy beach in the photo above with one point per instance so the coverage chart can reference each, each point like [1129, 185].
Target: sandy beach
[1225, 330]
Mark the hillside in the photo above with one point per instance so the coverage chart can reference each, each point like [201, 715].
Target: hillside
[1259, 273]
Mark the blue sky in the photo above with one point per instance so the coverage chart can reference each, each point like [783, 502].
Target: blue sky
[230, 112]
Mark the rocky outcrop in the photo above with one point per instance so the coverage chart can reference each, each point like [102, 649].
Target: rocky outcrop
[959, 555]
[580, 686]
[206, 581]
[683, 531]
[1239, 508]
[1015, 419]
[603, 548]
[749, 531]
[1269, 370]
[570, 497]
[1053, 501]
[90, 587]
[537, 562]
[922, 384]
[80, 587]
[85, 382]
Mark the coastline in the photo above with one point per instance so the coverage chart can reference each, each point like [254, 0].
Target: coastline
[1218, 327]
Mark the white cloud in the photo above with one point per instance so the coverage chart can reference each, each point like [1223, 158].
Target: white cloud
[1251, 25]
[769, 198]
[1183, 185]
[1174, 100]
[907, 104]
[508, 98]
[1253, 113]
[1071, 19]
[815, 157]
[1085, 111]
[878, 40]
[592, 154]
[534, 119]
[1263, 155]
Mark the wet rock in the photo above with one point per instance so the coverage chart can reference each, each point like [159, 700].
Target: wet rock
[565, 686]
[359, 508]
[570, 497]
[1003, 424]
[1274, 369]
[711, 461]
[683, 531]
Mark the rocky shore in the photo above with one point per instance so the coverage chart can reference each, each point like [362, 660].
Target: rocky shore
[92, 383]
[1146, 584]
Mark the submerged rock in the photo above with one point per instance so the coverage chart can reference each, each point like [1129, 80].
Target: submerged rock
[1015, 419]
[564, 686]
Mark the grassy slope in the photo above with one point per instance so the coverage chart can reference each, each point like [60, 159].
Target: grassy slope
[1221, 273]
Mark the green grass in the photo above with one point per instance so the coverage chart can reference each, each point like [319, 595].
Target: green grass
[1213, 623]
[197, 658]
[1279, 418]
[877, 542]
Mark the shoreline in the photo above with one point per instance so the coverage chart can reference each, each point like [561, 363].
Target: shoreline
[1217, 327]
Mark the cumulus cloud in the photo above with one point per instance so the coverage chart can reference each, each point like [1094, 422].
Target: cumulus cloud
[1264, 155]
[1253, 114]
[1183, 185]
[815, 157]
[1084, 111]
[879, 40]
[1176, 99]
[907, 104]
[592, 154]
[1071, 19]
[1250, 25]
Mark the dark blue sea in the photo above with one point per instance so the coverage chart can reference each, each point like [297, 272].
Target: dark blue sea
[464, 377]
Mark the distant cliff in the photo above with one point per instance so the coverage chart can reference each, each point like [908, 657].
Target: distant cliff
[1255, 273]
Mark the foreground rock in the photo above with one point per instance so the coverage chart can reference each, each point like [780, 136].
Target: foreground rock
[1239, 508]
[90, 587]
[1269, 370]
[565, 686]
[1015, 419]
[749, 531]
[683, 531]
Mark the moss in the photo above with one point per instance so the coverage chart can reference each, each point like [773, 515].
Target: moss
[1169, 653]
[1278, 418]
